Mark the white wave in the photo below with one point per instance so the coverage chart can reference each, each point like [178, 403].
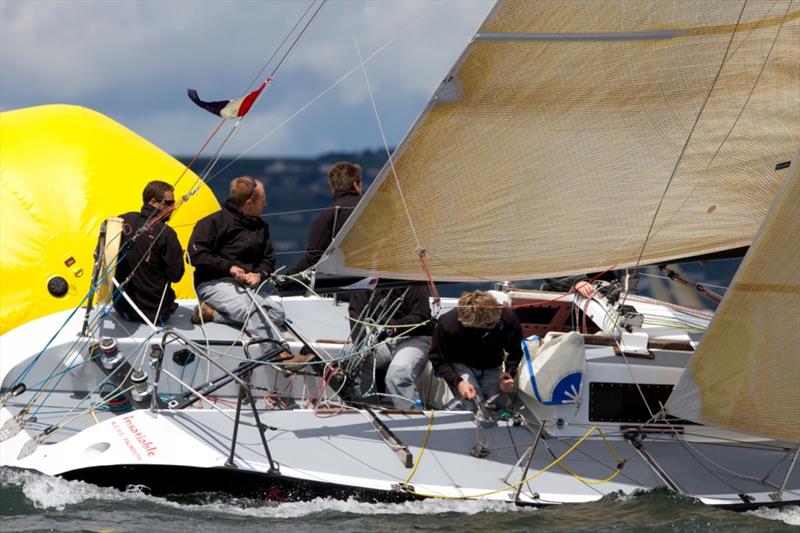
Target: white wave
[326, 505]
[789, 515]
[48, 492]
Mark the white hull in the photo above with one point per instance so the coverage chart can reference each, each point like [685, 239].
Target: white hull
[344, 452]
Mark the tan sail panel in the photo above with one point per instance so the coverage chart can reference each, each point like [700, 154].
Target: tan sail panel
[549, 149]
[114, 232]
[746, 372]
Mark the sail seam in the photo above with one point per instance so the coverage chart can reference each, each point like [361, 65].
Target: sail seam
[608, 36]
[689, 138]
[753, 88]
[636, 35]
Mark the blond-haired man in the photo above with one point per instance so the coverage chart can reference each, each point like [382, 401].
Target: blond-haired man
[231, 250]
[471, 343]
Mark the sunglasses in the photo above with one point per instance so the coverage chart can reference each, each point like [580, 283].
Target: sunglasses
[168, 202]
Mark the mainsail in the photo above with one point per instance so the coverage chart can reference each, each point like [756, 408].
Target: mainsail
[746, 373]
[579, 136]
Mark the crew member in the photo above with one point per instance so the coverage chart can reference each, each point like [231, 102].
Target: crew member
[471, 343]
[345, 182]
[150, 257]
[404, 353]
[232, 252]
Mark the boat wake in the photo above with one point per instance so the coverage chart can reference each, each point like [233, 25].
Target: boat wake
[29, 497]
[788, 515]
[54, 493]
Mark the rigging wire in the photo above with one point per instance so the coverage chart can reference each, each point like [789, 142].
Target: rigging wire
[212, 162]
[386, 145]
[204, 176]
[257, 77]
[332, 86]
[689, 137]
[743, 106]
[158, 216]
[420, 250]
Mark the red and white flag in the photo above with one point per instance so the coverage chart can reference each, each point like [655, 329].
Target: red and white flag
[228, 108]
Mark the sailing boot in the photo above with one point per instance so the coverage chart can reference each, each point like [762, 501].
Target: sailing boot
[202, 313]
[295, 363]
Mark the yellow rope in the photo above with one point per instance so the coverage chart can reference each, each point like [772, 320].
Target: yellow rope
[620, 461]
[421, 449]
[555, 462]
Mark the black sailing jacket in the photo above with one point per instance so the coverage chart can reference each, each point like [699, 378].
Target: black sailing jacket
[477, 348]
[325, 228]
[158, 253]
[414, 309]
[227, 238]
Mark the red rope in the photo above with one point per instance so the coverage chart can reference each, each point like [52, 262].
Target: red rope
[426, 267]
[200, 151]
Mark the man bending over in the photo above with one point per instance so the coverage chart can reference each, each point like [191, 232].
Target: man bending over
[470, 344]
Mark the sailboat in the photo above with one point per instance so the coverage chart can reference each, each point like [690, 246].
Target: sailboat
[569, 137]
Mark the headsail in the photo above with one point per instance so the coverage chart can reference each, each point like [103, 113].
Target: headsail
[567, 128]
[746, 373]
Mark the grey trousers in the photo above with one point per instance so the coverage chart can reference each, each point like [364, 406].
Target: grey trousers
[486, 383]
[233, 305]
[404, 359]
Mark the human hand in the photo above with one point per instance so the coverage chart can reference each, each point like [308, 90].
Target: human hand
[506, 382]
[466, 390]
[584, 288]
[385, 333]
[252, 279]
[238, 273]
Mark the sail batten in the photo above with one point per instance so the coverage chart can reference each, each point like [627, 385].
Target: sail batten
[545, 157]
[616, 36]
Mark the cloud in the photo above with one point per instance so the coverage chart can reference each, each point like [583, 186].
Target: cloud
[133, 60]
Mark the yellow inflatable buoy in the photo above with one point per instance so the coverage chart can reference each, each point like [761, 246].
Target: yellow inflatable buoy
[63, 170]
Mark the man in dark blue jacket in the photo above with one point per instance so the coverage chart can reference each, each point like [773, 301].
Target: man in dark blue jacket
[345, 181]
[404, 353]
[151, 257]
[477, 347]
[231, 250]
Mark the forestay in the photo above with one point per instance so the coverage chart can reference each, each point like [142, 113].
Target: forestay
[746, 372]
[567, 128]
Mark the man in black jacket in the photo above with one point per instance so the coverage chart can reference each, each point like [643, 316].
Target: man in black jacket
[345, 181]
[470, 344]
[404, 353]
[231, 250]
[152, 260]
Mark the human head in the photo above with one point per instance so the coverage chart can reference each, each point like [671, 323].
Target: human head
[345, 177]
[248, 195]
[478, 309]
[159, 194]
[156, 191]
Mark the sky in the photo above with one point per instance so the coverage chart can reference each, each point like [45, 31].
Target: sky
[133, 60]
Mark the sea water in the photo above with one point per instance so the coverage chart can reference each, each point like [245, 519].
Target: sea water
[35, 502]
